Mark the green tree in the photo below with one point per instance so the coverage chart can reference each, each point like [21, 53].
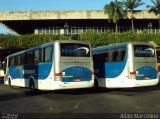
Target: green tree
[131, 5]
[114, 10]
[155, 8]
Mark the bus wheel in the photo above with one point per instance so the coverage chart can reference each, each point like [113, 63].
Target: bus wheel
[31, 85]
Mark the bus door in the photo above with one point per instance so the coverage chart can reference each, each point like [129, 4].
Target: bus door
[76, 63]
[145, 66]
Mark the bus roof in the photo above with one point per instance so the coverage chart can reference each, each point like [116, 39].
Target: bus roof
[47, 44]
[116, 45]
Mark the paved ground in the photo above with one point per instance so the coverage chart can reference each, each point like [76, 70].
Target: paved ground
[19, 102]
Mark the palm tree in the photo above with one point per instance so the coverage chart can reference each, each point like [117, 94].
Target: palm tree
[131, 5]
[155, 8]
[114, 10]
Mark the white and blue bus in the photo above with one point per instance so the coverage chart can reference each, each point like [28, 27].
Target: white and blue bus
[51, 66]
[125, 65]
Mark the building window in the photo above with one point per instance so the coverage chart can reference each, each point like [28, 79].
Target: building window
[49, 30]
[77, 30]
[71, 30]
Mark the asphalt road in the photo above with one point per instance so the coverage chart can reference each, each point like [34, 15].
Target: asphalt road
[115, 103]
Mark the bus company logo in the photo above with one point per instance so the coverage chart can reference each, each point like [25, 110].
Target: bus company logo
[81, 50]
[84, 49]
[148, 51]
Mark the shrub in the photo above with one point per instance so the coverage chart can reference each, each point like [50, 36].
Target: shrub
[96, 39]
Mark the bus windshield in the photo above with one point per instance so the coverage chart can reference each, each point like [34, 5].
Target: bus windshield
[144, 51]
[74, 49]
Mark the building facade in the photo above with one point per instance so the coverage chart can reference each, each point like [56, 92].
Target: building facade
[73, 22]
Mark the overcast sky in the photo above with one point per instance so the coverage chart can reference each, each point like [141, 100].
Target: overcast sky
[41, 5]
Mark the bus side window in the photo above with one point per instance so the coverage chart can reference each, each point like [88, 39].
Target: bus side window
[104, 57]
[122, 54]
[118, 55]
[114, 55]
[37, 56]
[47, 53]
[18, 60]
[29, 57]
[98, 58]
[11, 61]
[23, 58]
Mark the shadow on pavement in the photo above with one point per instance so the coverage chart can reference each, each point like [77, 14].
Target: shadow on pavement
[23, 92]
[82, 91]
[120, 90]
[17, 93]
[142, 89]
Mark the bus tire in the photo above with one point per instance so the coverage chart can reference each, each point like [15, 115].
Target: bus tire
[32, 85]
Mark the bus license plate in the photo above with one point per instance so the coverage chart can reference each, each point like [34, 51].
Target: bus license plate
[147, 78]
[77, 80]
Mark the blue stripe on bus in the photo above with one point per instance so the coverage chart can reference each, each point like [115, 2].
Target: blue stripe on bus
[110, 70]
[113, 70]
[40, 71]
[146, 72]
[76, 73]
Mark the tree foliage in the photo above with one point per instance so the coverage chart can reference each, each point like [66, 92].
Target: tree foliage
[100, 39]
[131, 5]
[114, 10]
[155, 8]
